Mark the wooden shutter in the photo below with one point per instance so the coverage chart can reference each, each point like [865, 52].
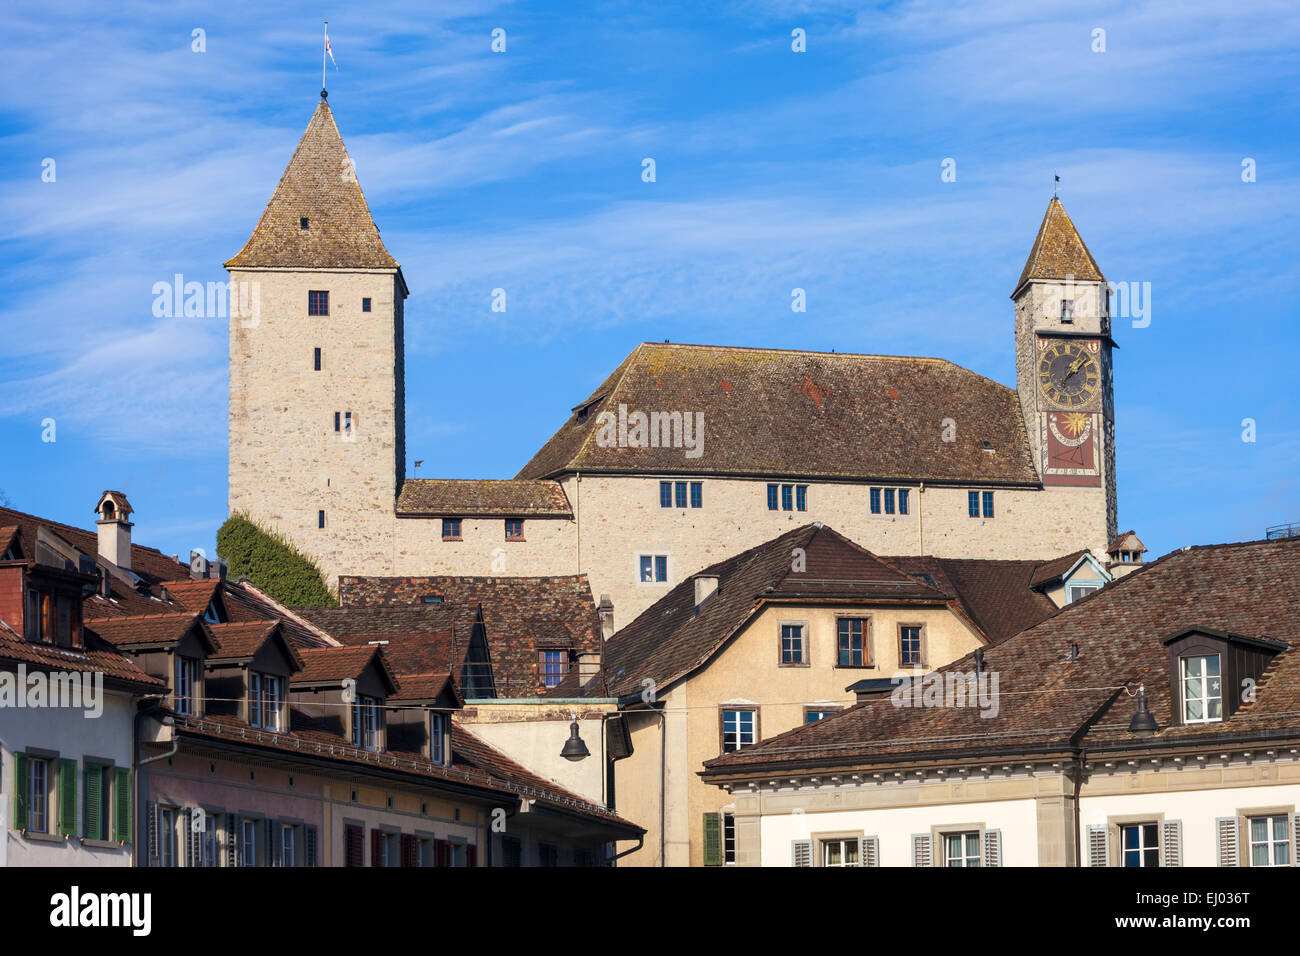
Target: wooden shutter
[232, 840]
[1226, 831]
[272, 844]
[67, 797]
[376, 847]
[1171, 843]
[471, 855]
[309, 846]
[122, 804]
[441, 853]
[922, 852]
[801, 853]
[1098, 845]
[1295, 839]
[713, 839]
[20, 791]
[409, 845]
[187, 821]
[151, 815]
[95, 824]
[870, 851]
[992, 847]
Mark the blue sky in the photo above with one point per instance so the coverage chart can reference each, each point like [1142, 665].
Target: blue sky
[775, 170]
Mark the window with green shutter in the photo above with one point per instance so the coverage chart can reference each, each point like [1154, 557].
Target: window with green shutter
[93, 799]
[122, 805]
[712, 839]
[68, 797]
[20, 791]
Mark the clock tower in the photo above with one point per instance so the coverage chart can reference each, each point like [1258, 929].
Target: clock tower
[1064, 368]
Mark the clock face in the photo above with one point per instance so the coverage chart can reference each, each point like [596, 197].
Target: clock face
[1068, 373]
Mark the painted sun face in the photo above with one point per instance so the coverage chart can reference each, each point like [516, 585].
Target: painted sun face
[1068, 374]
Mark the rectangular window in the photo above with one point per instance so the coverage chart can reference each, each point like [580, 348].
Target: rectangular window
[903, 495]
[320, 519]
[303, 222]
[64, 620]
[316, 358]
[365, 305]
[1140, 844]
[338, 421]
[771, 497]
[841, 852]
[792, 649]
[889, 501]
[852, 642]
[875, 501]
[347, 424]
[661, 568]
[548, 854]
[697, 494]
[973, 503]
[728, 838]
[1270, 841]
[1067, 310]
[665, 494]
[813, 714]
[265, 696]
[437, 737]
[1079, 590]
[187, 680]
[553, 665]
[514, 529]
[961, 849]
[909, 645]
[737, 729]
[787, 497]
[211, 826]
[988, 504]
[365, 723]
[450, 529]
[801, 497]
[647, 568]
[681, 494]
[167, 836]
[248, 843]
[1202, 689]
[318, 303]
[286, 844]
[38, 795]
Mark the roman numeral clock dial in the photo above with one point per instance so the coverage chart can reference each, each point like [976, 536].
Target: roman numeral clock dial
[1068, 374]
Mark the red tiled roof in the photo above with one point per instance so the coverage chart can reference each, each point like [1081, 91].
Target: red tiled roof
[148, 629]
[326, 664]
[98, 655]
[149, 564]
[514, 498]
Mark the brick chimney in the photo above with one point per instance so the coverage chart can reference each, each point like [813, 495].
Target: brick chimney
[114, 528]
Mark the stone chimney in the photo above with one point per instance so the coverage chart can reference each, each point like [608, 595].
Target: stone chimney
[1125, 555]
[588, 667]
[606, 612]
[114, 529]
[706, 585]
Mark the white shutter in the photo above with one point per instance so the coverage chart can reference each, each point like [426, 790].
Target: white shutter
[992, 847]
[921, 853]
[1171, 843]
[1295, 839]
[187, 818]
[870, 851]
[801, 853]
[1098, 845]
[232, 840]
[1226, 828]
[151, 820]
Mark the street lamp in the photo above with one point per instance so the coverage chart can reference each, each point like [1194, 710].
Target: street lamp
[574, 748]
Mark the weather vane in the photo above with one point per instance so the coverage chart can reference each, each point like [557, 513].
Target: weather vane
[1055, 184]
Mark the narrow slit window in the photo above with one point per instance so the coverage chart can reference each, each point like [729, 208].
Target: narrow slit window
[316, 359]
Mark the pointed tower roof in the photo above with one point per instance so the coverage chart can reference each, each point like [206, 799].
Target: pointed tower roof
[319, 185]
[1059, 251]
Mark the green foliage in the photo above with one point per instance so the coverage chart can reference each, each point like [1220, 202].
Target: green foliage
[271, 563]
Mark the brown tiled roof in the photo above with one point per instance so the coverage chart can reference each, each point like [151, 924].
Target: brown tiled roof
[670, 639]
[777, 413]
[150, 564]
[514, 498]
[8, 534]
[1119, 543]
[1059, 251]
[322, 665]
[1050, 572]
[149, 629]
[98, 655]
[320, 184]
[195, 595]
[520, 615]
[997, 596]
[1048, 704]
[241, 640]
[423, 686]
[245, 602]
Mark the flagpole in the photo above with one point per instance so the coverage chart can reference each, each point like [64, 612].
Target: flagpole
[322, 56]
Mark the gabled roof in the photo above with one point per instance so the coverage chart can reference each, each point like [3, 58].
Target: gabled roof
[1125, 541]
[97, 656]
[148, 564]
[520, 616]
[1056, 570]
[242, 640]
[150, 630]
[1049, 705]
[670, 639]
[443, 497]
[788, 414]
[1059, 252]
[332, 665]
[319, 184]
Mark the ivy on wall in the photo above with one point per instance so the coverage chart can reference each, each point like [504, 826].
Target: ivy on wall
[272, 564]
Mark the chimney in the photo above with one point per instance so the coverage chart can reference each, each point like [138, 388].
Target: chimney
[706, 585]
[606, 612]
[588, 667]
[114, 529]
[198, 565]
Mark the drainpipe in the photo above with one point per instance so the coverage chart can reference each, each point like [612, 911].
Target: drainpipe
[1078, 785]
[663, 773]
[577, 521]
[135, 753]
[920, 519]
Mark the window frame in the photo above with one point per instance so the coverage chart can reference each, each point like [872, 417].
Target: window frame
[867, 660]
[919, 626]
[518, 527]
[987, 502]
[1271, 841]
[40, 796]
[805, 655]
[186, 701]
[738, 709]
[437, 737]
[697, 494]
[657, 562]
[318, 302]
[973, 504]
[447, 525]
[665, 494]
[964, 834]
[1205, 699]
[543, 669]
[1142, 849]
[773, 496]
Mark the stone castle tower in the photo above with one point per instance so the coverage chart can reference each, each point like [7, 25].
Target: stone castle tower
[317, 395]
[1064, 371]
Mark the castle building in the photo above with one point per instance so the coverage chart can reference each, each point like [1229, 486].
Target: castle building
[683, 456]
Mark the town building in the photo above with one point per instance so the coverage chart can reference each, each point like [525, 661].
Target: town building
[1151, 723]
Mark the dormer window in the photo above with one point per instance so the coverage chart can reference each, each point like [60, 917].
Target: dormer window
[1202, 689]
[265, 701]
[212, 615]
[365, 723]
[185, 693]
[33, 620]
[438, 738]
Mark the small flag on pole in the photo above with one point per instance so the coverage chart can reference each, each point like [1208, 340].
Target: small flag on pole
[328, 51]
